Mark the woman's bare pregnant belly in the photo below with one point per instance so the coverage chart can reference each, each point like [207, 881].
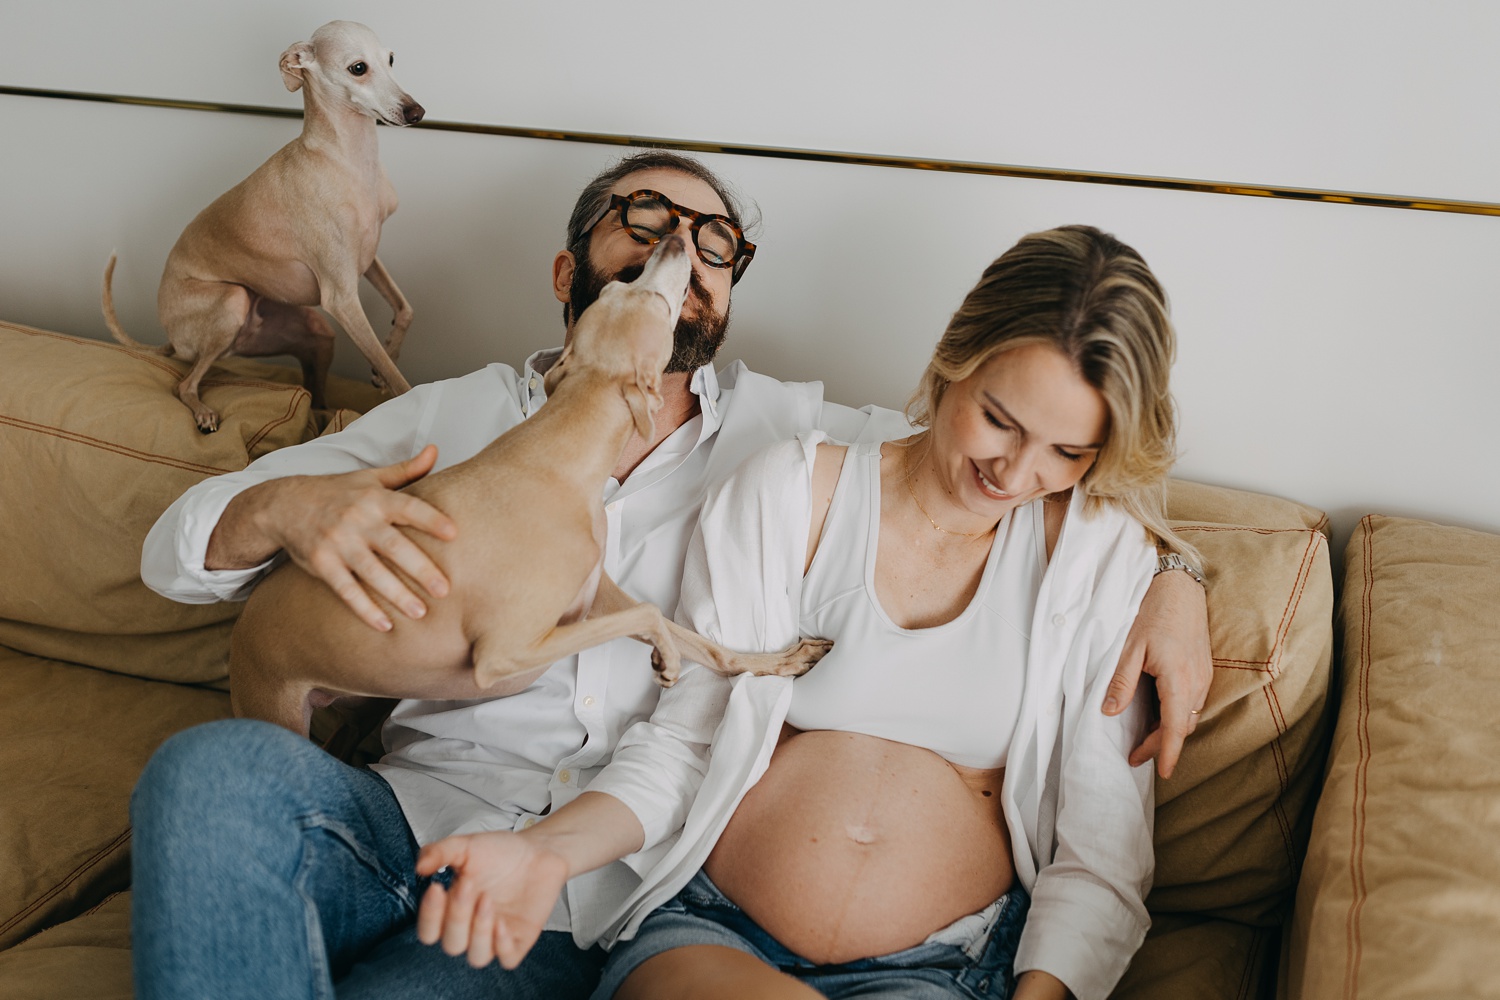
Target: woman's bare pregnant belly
[852, 846]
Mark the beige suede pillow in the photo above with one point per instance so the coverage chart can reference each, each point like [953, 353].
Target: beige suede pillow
[1400, 896]
[95, 447]
[1232, 821]
[73, 742]
[87, 958]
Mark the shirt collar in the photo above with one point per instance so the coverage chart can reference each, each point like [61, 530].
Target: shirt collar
[704, 385]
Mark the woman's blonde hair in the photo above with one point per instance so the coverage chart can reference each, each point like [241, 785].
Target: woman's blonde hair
[1093, 298]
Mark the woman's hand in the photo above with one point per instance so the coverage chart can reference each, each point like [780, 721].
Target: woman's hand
[505, 887]
[1169, 641]
[342, 530]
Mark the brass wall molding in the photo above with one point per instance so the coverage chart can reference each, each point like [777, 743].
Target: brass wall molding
[832, 156]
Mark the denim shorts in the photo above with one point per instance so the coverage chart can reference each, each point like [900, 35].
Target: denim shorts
[971, 959]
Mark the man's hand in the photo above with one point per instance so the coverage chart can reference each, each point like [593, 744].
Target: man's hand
[342, 530]
[506, 886]
[1169, 641]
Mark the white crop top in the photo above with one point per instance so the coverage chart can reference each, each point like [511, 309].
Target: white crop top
[955, 688]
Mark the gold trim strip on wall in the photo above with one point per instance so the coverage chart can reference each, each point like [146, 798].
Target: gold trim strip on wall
[831, 156]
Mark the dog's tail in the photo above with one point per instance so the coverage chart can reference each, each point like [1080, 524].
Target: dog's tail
[113, 322]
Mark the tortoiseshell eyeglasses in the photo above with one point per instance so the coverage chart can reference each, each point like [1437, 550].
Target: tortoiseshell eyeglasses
[649, 215]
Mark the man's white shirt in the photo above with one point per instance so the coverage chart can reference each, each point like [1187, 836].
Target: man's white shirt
[586, 724]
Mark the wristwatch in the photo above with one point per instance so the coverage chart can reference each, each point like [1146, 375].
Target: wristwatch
[1172, 561]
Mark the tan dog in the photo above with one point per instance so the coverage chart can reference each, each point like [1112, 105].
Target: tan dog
[297, 646]
[297, 233]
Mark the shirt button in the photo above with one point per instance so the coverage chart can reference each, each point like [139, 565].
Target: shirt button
[565, 776]
[530, 822]
[1059, 621]
[588, 702]
[532, 383]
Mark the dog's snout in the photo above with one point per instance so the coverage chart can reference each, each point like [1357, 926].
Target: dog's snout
[412, 112]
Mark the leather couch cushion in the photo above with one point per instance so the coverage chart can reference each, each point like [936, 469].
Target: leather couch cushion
[87, 958]
[96, 446]
[1400, 896]
[73, 740]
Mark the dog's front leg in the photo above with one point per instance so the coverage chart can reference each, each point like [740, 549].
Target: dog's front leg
[341, 301]
[378, 276]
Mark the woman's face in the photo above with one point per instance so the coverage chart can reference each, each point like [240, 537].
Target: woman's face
[1025, 424]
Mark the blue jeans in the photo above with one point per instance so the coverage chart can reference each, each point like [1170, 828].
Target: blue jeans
[701, 914]
[263, 867]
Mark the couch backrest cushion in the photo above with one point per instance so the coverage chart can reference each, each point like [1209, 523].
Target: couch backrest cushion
[1232, 820]
[95, 446]
[1400, 896]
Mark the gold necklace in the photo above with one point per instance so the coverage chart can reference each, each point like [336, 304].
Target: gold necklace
[906, 464]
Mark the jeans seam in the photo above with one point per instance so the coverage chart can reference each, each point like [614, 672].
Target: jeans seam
[393, 882]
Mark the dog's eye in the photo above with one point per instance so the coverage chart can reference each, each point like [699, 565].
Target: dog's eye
[393, 58]
[358, 69]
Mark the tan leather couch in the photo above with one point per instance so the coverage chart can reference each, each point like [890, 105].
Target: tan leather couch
[1399, 891]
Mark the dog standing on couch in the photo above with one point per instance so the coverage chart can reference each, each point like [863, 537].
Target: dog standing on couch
[297, 646]
[245, 274]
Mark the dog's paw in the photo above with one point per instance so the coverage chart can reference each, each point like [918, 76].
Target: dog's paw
[207, 421]
[666, 675]
[802, 657]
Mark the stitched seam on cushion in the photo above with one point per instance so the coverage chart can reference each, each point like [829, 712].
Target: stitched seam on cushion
[118, 449]
[1246, 971]
[1258, 666]
[91, 910]
[67, 881]
[268, 428]
[1240, 527]
[148, 357]
[100, 905]
[1283, 776]
[1361, 770]
[1294, 601]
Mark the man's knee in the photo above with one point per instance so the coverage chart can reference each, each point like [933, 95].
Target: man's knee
[201, 768]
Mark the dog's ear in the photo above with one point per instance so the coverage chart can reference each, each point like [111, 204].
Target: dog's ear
[643, 396]
[294, 60]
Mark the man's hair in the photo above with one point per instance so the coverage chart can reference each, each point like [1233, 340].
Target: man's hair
[595, 194]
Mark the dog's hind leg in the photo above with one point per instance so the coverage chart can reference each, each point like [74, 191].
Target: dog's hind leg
[302, 332]
[495, 659]
[203, 319]
[794, 661]
[378, 276]
[264, 698]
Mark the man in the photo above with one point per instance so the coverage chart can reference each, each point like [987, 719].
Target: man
[264, 867]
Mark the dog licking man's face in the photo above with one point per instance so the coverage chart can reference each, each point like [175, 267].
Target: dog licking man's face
[614, 256]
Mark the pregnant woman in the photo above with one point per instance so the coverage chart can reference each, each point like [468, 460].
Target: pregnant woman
[939, 808]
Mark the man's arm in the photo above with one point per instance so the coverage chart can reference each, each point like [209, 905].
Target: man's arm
[218, 539]
[1169, 641]
[342, 530]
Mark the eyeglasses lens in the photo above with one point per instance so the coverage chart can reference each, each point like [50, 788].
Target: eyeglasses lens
[650, 220]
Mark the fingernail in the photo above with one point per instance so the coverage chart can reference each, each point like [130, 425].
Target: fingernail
[1110, 704]
[415, 610]
[384, 624]
[437, 587]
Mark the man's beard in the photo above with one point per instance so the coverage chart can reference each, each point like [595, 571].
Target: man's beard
[695, 341]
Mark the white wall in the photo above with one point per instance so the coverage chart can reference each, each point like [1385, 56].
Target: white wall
[1342, 356]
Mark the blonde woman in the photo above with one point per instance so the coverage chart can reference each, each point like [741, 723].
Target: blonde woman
[938, 809]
